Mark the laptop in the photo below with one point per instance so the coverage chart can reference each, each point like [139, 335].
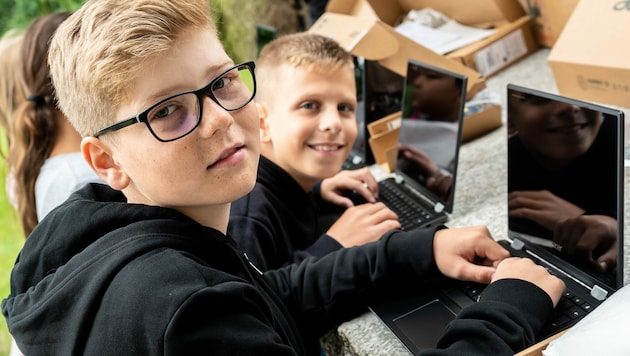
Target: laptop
[379, 93]
[424, 140]
[419, 318]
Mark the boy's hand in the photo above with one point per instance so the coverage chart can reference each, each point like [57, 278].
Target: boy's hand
[468, 253]
[362, 224]
[525, 269]
[360, 181]
[541, 207]
[589, 238]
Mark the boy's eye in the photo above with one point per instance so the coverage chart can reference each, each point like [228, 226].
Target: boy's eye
[309, 106]
[345, 108]
[162, 112]
[220, 83]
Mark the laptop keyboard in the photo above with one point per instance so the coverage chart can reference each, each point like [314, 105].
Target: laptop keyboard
[410, 213]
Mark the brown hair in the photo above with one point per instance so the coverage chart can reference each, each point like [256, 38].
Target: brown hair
[34, 125]
[12, 90]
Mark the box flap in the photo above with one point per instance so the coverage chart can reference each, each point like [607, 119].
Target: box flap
[479, 12]
[359, 8]
[374, 40]
[362, 37]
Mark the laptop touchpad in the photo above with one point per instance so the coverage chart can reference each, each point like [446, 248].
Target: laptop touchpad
[425, 325]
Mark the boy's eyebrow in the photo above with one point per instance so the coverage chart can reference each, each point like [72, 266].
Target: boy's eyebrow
[210, 74]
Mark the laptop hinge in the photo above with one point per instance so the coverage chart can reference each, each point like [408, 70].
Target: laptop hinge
[599, 293]
[517, 244]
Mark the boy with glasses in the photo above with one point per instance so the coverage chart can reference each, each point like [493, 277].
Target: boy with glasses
[145, 267]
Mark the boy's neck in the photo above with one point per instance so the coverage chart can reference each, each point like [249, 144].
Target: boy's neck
[212, 216]
[306, 183]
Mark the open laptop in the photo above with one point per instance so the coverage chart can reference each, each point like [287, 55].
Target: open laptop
[418, 319]
[426, 141]
[379, 93]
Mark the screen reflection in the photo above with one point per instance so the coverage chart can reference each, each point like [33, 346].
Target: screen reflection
[563, 178]
[430, 129]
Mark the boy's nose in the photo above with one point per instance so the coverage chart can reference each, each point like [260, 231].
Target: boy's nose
[565, 109]
[214, 118]
[330, 120]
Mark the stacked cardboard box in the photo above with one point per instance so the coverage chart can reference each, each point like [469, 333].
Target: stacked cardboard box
[589, 60]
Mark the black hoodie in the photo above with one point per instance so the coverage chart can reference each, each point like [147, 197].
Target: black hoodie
[99, 276]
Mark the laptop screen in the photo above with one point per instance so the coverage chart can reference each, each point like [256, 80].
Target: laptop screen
[565, 181]
[379, 93]
[430, 132]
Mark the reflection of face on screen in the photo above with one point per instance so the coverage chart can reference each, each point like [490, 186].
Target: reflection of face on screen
[554, 132]
[434, 96]
[562, 178]
[429, 133]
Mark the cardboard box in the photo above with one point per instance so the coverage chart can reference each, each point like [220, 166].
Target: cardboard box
[481, 122]
[478, 13]
[511, 42]
[549, 18]
[590, 58]
[538, 348]
[374, 40]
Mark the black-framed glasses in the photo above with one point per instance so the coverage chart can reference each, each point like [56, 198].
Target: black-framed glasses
[178, 115]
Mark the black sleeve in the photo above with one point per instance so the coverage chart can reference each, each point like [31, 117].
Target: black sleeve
[227, 319]
[505, 320]
[324, 292]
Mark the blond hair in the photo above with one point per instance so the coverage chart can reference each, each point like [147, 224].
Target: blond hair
[309, 51]
[96, 54]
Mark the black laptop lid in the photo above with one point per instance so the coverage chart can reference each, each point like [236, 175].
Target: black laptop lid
[379, 93]
[430, 131]
[565, 182]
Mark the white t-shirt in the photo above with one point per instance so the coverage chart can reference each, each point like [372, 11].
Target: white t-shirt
[59, 177]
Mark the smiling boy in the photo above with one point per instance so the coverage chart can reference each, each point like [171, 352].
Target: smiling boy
[144, 266]
[307, 103]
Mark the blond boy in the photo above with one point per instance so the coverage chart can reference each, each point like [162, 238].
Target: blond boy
[145, 267]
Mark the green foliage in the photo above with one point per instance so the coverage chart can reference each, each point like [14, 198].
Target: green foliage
[236, 28]
[233, 18]
[11, 240]
[18, 13]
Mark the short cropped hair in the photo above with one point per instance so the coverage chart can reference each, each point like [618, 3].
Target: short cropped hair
[309, 51]
[96, 54]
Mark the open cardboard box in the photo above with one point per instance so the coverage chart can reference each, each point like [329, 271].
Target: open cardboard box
[590, 62]
[374, 40]
[512, 40]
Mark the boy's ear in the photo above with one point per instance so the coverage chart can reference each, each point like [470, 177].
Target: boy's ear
[100, 157]
[265, 135]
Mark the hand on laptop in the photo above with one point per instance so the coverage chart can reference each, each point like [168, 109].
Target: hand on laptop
[360, 180]
[525, 269]
[363, 223]
[468, 253]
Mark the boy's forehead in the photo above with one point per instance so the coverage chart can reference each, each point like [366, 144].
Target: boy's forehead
[194, 59]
